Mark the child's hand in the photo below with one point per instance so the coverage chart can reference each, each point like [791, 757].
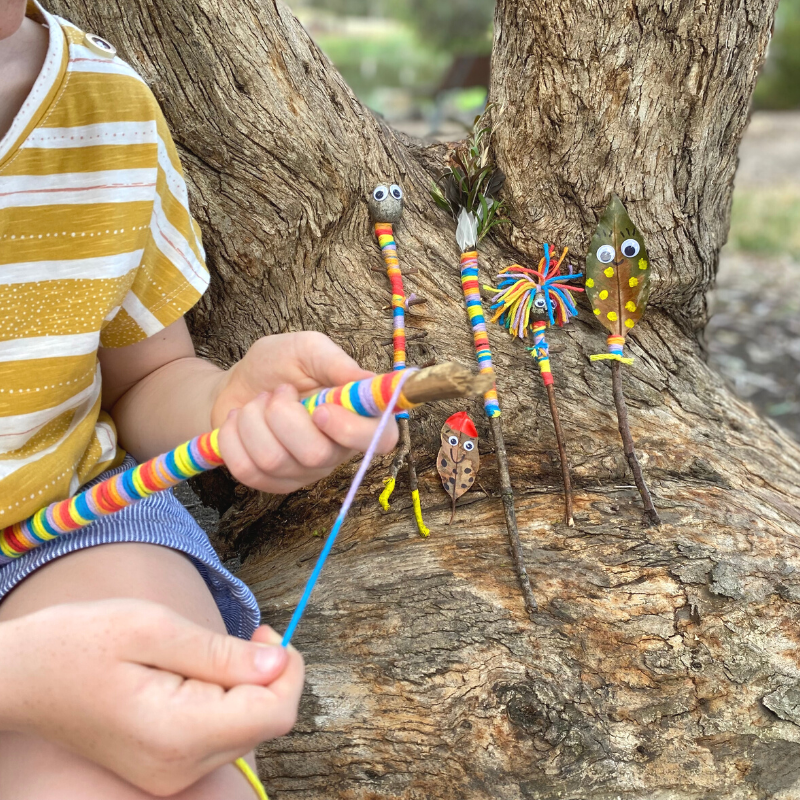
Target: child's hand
[144, 692]
[267, 438]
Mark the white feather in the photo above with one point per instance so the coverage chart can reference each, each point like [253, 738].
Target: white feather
[467, 231]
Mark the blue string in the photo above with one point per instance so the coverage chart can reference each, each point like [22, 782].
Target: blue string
[348, 501]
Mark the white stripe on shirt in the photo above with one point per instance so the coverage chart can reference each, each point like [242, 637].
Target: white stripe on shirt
[141, 315]
[98, 268]
[169, 240]
[76, 344]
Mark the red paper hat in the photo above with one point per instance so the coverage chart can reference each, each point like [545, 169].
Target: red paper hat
[461, 422]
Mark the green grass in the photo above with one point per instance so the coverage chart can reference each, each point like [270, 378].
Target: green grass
[766, 221]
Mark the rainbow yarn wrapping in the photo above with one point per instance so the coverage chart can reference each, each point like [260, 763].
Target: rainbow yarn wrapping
[367, 398]
[385, 234]
[615, 351]
[472, 298]
[110, 496]
[541, 351]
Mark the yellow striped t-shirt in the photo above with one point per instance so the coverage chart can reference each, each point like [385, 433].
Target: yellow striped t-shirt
[97, 248]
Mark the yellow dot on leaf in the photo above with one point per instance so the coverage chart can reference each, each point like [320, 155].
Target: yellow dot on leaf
[597, 311]
[612, 315]
[642, 263]
[633, 282]
[603, 294]
[590, 283]
[631, 306]
[609, 273]
[629, 323]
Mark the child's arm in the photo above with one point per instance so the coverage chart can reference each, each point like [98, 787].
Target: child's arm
[160, 394]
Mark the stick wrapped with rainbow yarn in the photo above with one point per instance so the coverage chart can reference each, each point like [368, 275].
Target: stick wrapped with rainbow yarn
[369, 398]
[467, 190]
[386, 208]
[618, 286]
[521, 294]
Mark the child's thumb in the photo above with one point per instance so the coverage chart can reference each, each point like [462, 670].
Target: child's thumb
[196, 652]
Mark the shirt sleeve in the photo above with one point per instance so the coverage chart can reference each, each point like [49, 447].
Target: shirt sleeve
[172, 275]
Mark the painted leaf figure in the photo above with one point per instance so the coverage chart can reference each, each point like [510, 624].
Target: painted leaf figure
[617, 271]
[458, 460]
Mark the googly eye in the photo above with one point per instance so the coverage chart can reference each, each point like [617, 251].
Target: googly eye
[539, 301]
[396, 192]
[605, 253]
[380, 193]
[469, 446]
[630, 248]
[452, 440]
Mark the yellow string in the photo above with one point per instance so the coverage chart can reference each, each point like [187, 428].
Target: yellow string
[252, 778]
[423, 529]
[610, 357]
[386, 493]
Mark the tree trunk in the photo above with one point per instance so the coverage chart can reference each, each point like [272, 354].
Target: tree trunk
[664, 662]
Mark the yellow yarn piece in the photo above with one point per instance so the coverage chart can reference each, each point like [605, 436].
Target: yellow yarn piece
[424, 531]
[386, 493]
[252, 778]
[610, 357]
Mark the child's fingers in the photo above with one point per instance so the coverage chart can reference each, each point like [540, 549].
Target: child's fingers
[327, 363]
[164, 640]
[352, 431]
[293, 427]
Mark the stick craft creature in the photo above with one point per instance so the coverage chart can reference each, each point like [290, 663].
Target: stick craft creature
[521, 295]
[386, 209]
[458, 461]
[618, 285]
[467, 191]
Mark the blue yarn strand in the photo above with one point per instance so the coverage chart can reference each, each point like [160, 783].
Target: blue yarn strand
[348, 501]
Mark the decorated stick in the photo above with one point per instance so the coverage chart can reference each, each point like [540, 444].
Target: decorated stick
[386, 208]
[521, 294]
[618, 285]
[467, 190]
[369, 397]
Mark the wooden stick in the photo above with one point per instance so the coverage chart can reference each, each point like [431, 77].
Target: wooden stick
[562, 452]
[627, 444]
[507, 495]
[445, 382]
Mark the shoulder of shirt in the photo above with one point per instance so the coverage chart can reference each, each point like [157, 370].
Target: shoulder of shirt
[82, 59]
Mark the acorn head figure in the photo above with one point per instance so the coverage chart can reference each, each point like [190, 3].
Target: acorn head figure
[386, 203]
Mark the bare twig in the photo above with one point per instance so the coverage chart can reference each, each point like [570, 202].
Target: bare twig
[627, 443]
[507, 495]
[562, 452]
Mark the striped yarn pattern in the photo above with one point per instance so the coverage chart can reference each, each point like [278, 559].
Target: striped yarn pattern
[110, 496]
[615, 351]
[472, 298]
[385, 234]
[367, 398]
[541, 352]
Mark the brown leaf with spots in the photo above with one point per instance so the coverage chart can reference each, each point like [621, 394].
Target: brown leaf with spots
[458, 460]
[617, 271]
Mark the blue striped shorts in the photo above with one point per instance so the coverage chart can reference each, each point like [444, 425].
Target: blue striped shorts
[161, 520]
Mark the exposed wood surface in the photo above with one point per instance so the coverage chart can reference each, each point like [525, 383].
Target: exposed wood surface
[664, 661]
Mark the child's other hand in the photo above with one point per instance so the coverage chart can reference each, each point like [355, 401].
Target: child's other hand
[138, 689]
[268, 439]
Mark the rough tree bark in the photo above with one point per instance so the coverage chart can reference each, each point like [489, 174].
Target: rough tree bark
[664, 662]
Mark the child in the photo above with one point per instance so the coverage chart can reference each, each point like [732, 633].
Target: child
[118, 678]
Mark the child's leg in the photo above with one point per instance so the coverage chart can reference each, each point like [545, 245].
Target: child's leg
[33, 769]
